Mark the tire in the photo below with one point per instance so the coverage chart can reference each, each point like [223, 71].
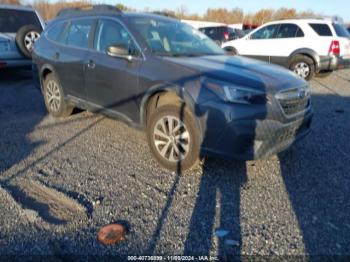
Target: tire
[324, 74]
[303, 66]
[190, 146]
[54, 97]
[26, 36]
[231, 50]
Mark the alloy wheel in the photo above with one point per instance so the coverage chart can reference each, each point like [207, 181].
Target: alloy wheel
[53, 96]
[171, 138]
[302, 69]
[29, 39]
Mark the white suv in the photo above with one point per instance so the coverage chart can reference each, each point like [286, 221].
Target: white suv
[306, 46]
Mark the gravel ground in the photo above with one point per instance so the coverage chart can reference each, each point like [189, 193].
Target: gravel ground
[296, 203]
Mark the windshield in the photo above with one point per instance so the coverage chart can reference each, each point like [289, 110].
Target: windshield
[341, 30]
[12, 20]
[167, 37]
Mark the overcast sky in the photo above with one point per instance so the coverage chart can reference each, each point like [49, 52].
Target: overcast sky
[329, 8]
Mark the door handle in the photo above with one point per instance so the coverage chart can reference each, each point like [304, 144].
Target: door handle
[91, 64]
[56, 56]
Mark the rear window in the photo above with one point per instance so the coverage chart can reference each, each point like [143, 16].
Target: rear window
[12, 20]
[341, 30]
[78, 33]
[55, 33]
[321, 29]
[209, 30]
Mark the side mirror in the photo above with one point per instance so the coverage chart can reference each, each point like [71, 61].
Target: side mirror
[119, 51]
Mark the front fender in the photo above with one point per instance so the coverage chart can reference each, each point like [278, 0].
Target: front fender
[168, 87]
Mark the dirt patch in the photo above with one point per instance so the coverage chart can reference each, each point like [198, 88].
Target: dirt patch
[51, 205]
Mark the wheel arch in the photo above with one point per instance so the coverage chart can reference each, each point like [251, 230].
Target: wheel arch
[163, 94]
[306, 52]
[44, 72]
[230, 49]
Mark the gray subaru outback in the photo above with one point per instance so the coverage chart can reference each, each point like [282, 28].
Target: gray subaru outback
[167, 78]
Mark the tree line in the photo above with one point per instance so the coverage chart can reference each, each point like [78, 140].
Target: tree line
[229, 16]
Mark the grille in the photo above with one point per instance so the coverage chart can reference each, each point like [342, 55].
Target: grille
[293, 106]
[294, 100]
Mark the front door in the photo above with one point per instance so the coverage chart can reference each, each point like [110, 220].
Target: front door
[260, 44]
[111, 82]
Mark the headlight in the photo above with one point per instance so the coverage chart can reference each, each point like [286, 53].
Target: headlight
[231, 93]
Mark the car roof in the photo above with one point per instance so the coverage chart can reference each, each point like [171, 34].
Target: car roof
[215, 26]
[304, 20]
[106, 10]
[17, 7]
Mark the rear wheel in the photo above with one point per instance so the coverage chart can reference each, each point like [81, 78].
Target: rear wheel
[173, 137]
[54, 98]
[303, 66]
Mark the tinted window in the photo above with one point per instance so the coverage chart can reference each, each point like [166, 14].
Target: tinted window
[12, 20]
[210, 31]
[56, 32]
[321, 29]
[300, 33]
[289, 31]
[266, 32]
[341, 30]
[78, 33]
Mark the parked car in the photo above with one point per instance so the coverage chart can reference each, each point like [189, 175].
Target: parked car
[305, 46]
[222, 34]
[167, 78]
[20, 27]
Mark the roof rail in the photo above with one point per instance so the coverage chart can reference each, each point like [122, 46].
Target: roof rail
[164, 13]
[89, 8]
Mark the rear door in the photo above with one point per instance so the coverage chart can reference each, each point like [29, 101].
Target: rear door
[111, 82]
[69, 58]
[288, 38]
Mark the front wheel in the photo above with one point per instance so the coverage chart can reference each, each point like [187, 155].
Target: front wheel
[173, 137]
[303, 66]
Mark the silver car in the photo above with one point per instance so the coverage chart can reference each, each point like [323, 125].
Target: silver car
[20, 27]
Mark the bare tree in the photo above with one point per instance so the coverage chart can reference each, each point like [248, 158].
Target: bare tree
[285, 13]
[263, 16]
[11, 2]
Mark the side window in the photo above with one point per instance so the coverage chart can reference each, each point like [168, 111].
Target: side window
[78, 33]
[289, 31]
[55, 33]
[112, 33]
[211, 31]
[267, 32]
[321, 29]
